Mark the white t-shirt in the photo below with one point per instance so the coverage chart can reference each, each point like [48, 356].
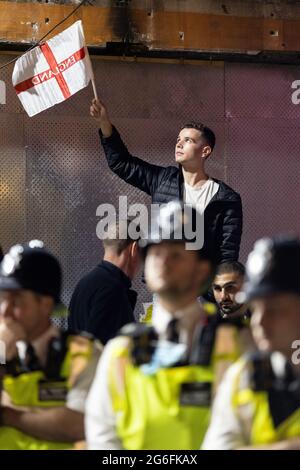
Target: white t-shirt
[200, 197]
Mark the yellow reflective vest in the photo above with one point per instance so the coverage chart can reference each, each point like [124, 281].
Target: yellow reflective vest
[169, 409]
[32, 389]
[261, 425]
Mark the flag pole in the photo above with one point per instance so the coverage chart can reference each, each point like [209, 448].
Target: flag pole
[94, 87]
[92, 76]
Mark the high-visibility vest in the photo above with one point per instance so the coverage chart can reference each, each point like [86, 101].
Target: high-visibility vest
[34, 389]
[167, 410]
[262, 427]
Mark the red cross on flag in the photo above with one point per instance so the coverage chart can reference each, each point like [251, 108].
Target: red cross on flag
[53, 71]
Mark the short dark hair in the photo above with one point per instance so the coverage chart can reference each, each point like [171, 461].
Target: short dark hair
[207, 133]
[118, 236]
[231, 267]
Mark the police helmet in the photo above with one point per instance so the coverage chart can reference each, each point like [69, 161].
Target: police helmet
[31, 267]
[175, 222]
[272, 267]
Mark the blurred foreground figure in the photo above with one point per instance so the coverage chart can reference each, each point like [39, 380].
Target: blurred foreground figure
[153, 386]
[258, 404]
[47, 372]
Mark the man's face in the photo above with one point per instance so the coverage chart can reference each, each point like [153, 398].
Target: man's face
[190, 147]
[225, 287]
[171, 270]
[275, 322]
[23, 307]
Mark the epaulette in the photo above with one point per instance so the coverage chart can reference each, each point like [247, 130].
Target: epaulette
[58, 347]
[203, 345]
[283, 392]
[57, 350]
[80, 353]
[262, 375]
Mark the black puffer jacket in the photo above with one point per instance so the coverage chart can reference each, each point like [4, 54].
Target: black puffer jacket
[223, 216]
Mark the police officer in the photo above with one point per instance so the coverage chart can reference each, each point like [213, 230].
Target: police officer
[47, 372]
[152, 389]
[258, 404]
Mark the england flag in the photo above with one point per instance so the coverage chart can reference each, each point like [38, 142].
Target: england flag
[53, 71]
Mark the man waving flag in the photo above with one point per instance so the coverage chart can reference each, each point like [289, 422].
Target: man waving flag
[53, 71]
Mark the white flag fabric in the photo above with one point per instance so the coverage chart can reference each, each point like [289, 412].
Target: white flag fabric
[53, 71]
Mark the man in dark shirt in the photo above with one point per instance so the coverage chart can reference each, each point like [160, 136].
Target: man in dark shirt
[102, 301]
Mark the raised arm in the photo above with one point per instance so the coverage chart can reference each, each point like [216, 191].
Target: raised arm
[99, 112]
[135, 171]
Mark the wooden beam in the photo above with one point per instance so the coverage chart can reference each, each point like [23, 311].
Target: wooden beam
[27, 22]
[164, 30]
